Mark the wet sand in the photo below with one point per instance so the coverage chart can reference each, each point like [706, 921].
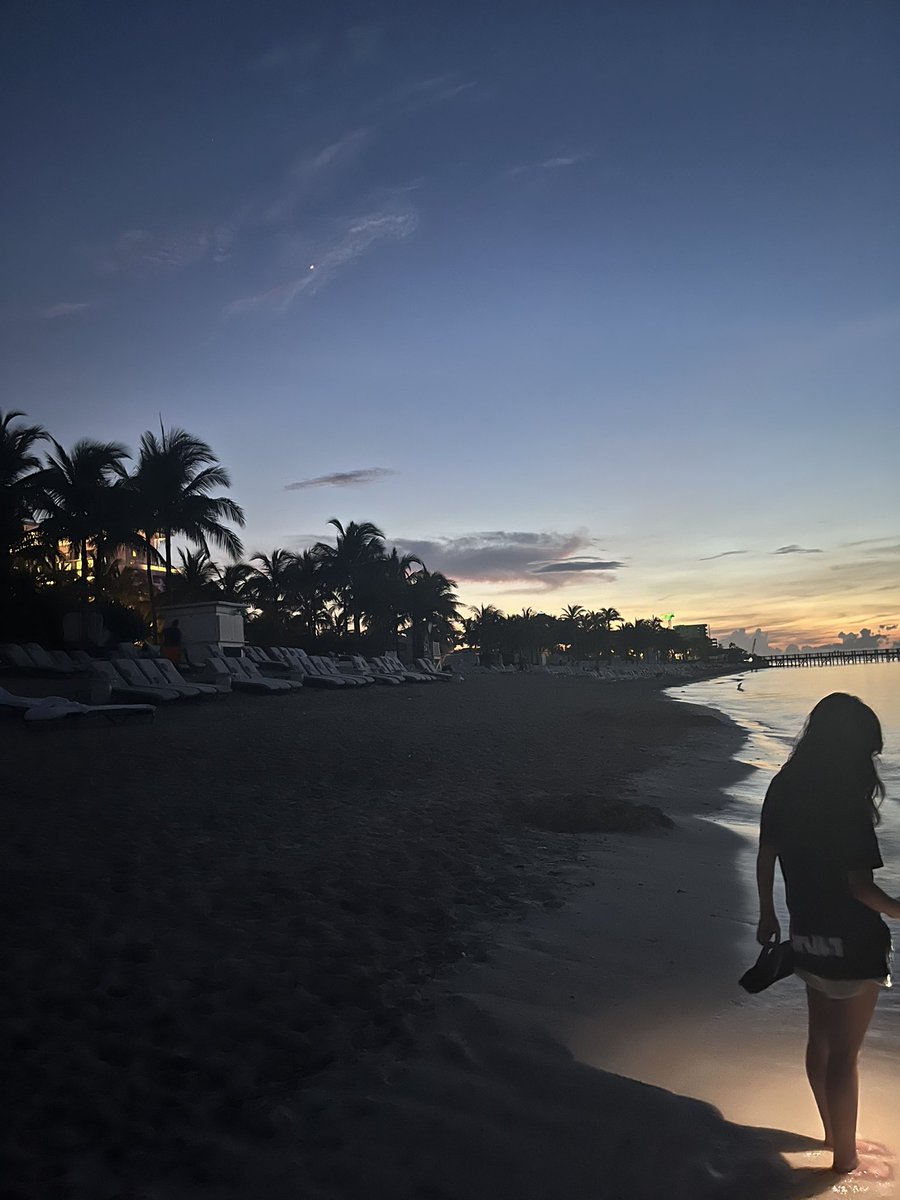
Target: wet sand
[309, 945]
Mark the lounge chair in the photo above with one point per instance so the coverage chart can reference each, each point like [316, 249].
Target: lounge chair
[52, 708]
[63, 659]
[328, 670]
[131, 672]
[101, 669]
[43, 660]
[151, 670]
[381, 677]
[17, 657]
[428, 668]
[300, 663]
[80, 658]
[243, 681]
[251, 671]
[393, 663]
[393, 666]
[348, 668]
[265, 662]
[169, 676]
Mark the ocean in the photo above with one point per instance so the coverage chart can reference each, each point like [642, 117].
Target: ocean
[772, 706]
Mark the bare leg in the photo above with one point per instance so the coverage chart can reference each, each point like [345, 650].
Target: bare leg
[839, 1025]
[817, 1055]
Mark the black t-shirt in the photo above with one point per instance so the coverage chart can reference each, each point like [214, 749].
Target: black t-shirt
[819, 843]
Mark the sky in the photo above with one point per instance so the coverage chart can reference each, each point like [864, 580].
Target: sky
[594, 303]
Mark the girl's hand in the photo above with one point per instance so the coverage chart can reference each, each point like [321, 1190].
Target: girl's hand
[768, 930]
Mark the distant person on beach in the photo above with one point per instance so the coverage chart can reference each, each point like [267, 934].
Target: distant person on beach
[171, 643]
[818, 821]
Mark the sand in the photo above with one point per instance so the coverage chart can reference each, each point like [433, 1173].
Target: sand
[311, 946]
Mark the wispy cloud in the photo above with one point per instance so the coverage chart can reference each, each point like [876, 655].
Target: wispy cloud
[557, 162]
[795, 549]
[342, 479]
[358, 236]
[308, 175]
[727, 554]
[434, 89]
[573, 565]
[149, 252]
[510, 557]
[67, 309]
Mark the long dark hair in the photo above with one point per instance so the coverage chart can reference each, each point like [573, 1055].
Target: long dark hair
[836, 750]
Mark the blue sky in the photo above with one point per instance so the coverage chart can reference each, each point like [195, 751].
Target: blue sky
[591, 304]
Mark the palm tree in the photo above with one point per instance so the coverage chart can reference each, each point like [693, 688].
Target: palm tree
[570, 624]
[232, 580]
[309, 590]
[384, 595]
[175, 475]
[270, 583]
[73, 492]
[119, 525]
[605, 618]
[482, 629]
[431, 600]
[197, 577]
[347, 564]
[18, 464]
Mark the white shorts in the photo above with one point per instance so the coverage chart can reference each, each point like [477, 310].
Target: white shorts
[839, 989]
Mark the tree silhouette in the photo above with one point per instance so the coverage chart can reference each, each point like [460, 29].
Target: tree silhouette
[348, 563]
[431, 600]
[19, 463]
[73, 492]
[270, 583]
[175, 475]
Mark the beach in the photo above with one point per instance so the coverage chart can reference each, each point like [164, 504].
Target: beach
[346, 945]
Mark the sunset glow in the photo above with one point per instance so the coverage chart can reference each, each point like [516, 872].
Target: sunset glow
[603, 310]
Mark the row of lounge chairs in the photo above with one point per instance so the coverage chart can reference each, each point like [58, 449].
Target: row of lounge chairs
[35, 660]
[355, 671]
[143, 682]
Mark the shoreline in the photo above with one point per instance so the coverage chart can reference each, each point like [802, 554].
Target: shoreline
[573, 996]
[169, 1009]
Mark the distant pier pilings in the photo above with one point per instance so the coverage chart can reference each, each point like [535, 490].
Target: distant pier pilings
[825, 658]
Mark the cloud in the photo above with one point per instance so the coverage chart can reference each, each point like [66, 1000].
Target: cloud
[55, 311]
[503, 556]
[795, 549]
[147, 252]
[435, 89]
[558, 162]
[309, 174]
[865, 639]
[758, 641]
[725, 554]
[357, 237]
[571, 565]
[342, 479]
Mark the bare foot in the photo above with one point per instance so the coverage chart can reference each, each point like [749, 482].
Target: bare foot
[875, 1169]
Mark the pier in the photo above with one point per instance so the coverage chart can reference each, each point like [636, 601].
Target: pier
[825, 658]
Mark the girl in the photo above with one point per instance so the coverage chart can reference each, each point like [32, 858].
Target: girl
[818, 820]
